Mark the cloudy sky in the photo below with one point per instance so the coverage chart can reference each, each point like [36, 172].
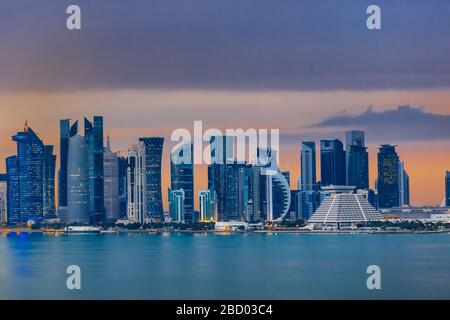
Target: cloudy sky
[310, 68]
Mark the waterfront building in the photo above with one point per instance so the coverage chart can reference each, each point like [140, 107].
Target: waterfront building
[308, 165]
[403, 185]
[144, 180]
[48, 174]
[3, 198]
[447, 188]
[176, 205]
[182, 177]
[13, 192]
[305, 203]
[93, 133]
[111, 183]
[208, 205]
[123, 181]
[342, 207]
[25, 172]
[66, 131]
[388, 177]
[357, 160]
[332, 163]
[78, 199]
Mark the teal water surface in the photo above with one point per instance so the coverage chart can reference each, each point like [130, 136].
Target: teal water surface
[226, 266]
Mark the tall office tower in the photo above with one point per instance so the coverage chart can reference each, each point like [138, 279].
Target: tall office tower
[182, 177]
[222, 152]
[93, 133]
[176, 205]
[152, 148]
[388, 178]
[403, 184]
[208, 205]
[13, 193]
[308, 165]
[30, 164]
[144, 180]
[357, 160]
[135, 185]
[48, 174]
[234, 192]
[332, 163]
[111, 183]
[78, 199]
[66, 131]
[447, 188]
[123, 178]
[3, 198]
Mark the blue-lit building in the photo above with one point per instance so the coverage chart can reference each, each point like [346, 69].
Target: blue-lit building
[152, 148]
[123, 181]
[332, 163]
[182, 178]
[25, 177]
[357, 160]
[388, 182]
[13, 193]
[49, 210]
[93, 133]
[176, 205]
[208, 205]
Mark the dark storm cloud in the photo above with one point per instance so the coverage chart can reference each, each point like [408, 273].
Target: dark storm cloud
[242, 44]
[398, 124]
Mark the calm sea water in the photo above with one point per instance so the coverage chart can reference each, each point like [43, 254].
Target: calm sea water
[233, 266]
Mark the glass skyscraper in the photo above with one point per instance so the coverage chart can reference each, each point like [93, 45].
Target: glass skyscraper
[152, 157]
[332, 163]
[357, 160]
[208, 205]
[78, 210]
[49, 210]
[388, 177]
[123, 182]
[176, 205]
[93, 133]
[111, 183]
[13, 193]
[182, 177]
[308, 165]
[26, 175]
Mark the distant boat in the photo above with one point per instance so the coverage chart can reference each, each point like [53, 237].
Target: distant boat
[81, 230]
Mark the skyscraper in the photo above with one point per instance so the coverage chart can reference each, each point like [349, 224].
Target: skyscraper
[447, 188]
[3, 198]
[153, 147]
[49, 168]
[28, 166]
[13, 192]
[357, 160]
[78, 200]
[93, 133]
[123, 182]
[66, 132]
[182, 177]
[111, 183]
[332, 163]
[403, 185]
[144, 180]
[388, 177]
[308, 165]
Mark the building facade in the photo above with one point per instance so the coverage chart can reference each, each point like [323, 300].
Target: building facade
[308, 165]
[388, 178]
[332, 163]
[357, 160]
[208, 205]
[3, 198]
[111, 183]
[49, 170]
[176, 205]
